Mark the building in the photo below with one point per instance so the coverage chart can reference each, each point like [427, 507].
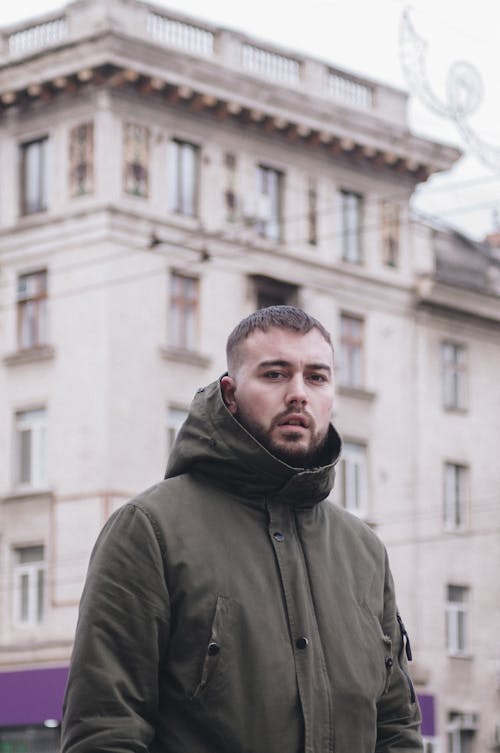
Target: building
[162, 178]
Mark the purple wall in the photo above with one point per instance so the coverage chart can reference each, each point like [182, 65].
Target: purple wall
[31, 696]
[428, 715]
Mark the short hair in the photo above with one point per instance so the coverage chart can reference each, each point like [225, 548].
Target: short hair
[281, 317]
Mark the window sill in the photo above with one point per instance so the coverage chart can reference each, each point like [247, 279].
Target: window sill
[30, 355]
[455, 531]
[356, 392]
[27, 493]
[185, 356]
[464, 655]
[352, 262]
[457, 411]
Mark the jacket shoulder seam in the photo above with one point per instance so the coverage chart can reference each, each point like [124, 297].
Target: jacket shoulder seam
[154, 526]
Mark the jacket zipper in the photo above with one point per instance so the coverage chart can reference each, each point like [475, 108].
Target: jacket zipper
[295, 527]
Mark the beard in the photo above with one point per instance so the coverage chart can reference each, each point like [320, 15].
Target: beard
[289, 449]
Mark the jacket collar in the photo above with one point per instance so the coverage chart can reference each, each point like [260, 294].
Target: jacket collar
[213, 444]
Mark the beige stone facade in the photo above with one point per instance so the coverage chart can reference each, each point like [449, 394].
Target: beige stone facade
[161, 178]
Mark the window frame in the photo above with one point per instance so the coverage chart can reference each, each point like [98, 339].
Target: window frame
[26, 303]
[453, 375]
[352, 452]
[351, 351]
[269, 193]
[175, 417]
[27, 421]
[458, 622]
[183, 312]
[29, 587]
[182, 201]
[29, 206]
[459, 737]
[351, 237]
[455, 495]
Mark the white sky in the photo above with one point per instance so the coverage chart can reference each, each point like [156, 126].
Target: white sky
[363, 36]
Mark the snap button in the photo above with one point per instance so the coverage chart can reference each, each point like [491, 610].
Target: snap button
[389, 662]
[302, 642]
[278, 536]
[213, 649]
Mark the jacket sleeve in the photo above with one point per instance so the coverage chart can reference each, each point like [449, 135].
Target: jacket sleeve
[112, 695]
[398, 712]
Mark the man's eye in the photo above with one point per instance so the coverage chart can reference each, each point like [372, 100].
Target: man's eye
[273, 374]
[318, 377]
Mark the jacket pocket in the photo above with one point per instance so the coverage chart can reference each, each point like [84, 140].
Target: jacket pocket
[217, 645]
[382, 647]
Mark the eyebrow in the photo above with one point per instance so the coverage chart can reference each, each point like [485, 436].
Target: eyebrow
[286, 364]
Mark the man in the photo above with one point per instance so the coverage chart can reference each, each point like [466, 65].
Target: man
[232, 608]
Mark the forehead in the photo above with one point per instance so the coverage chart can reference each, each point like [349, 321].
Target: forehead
[286, 345]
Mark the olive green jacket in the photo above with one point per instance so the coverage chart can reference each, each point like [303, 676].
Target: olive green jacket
[233, 609]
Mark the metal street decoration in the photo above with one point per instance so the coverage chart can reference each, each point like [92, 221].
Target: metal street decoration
[463, 95]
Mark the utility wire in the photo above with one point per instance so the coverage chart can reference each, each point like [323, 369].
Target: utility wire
[205, 239]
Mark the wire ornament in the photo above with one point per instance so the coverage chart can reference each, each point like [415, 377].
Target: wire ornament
[464, 90]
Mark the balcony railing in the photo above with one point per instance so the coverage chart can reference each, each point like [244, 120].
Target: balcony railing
[347, 91]
[227, 48]
[270, 65]
[37, 37]
[173, 33]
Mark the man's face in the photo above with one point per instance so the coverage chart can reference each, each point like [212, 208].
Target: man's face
[282, 392]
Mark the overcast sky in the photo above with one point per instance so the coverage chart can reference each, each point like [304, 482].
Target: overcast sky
[363, 36]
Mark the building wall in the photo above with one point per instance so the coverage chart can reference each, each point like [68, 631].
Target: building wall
[109, 374]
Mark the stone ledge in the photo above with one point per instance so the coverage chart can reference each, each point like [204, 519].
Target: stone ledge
[19, 495]
[356, 392]
[31, 355]
[185, 356]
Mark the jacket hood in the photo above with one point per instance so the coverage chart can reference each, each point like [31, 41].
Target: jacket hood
[213, 444]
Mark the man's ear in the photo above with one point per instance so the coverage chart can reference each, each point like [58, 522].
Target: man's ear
[228, 387]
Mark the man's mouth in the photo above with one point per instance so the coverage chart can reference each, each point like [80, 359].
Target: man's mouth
[295, 419]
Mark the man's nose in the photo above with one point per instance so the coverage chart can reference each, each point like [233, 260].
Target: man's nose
[296, 392]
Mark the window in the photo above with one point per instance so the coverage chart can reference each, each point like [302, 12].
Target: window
[31, 449]
[355, 478]
[351, 351]
[390, 224]
[350, 226]
[453, 375]
[81, 160]
[136, 159]
[175, 419]
[430, 744]
[268, 209]
[29, 585]
[230, 181]
[184, 177]
[183, 319]
[455, 485]
[461, 730]
[312, 214]
[30, 739]
[34, 176]
[457, 638]
[32, 310]
[272, 292]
